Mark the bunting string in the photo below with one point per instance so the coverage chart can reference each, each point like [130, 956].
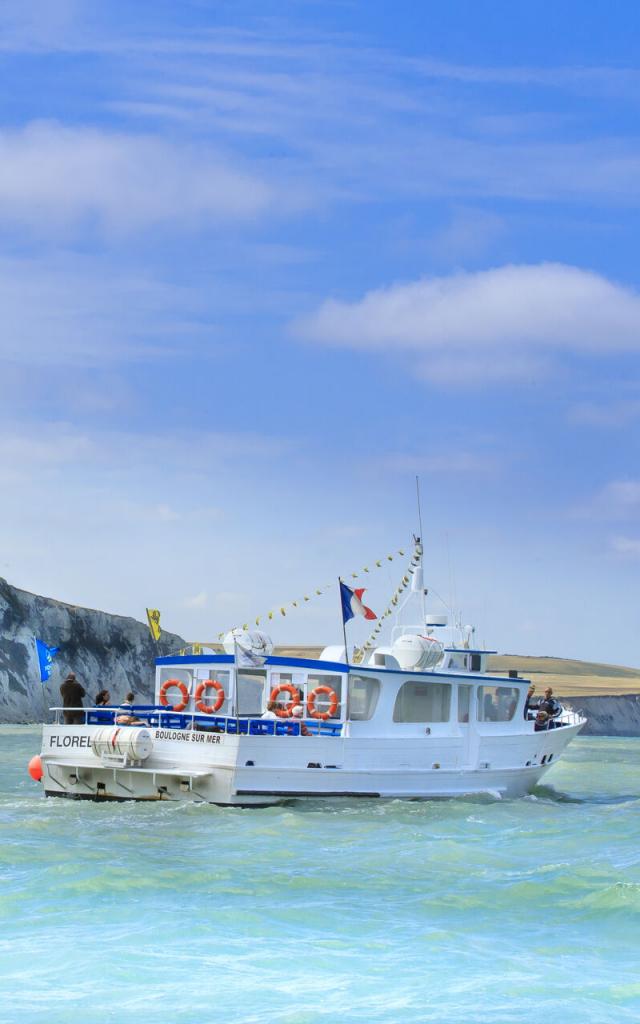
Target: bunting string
[283, 609]
[393, 603]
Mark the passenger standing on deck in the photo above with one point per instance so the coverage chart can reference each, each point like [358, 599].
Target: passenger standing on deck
[550, 704]
[272, 707]
[72, 694]
[529, 701]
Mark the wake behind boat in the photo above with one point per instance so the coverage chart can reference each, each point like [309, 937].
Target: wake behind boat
[413, 720]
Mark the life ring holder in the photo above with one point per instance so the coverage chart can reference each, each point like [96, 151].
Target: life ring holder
[285, 712]
[333, 703]
[201, 688]
[183, 691]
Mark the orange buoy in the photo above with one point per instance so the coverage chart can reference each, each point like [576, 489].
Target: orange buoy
[201, 689]
[35, 768]
[181, 705]
[332, 698]
[295, 698]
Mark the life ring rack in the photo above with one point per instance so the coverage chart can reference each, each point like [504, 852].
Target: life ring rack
[285, 712]
[332, 696]
[201, 689]
[181, 705]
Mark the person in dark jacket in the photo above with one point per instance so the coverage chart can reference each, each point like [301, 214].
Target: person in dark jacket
[550, 704]
[72, 694]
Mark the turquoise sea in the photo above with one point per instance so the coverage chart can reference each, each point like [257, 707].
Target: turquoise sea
[525, 911]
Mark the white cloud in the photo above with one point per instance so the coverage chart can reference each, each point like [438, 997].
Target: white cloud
[493, 323]
[628, 547]
[613, 414]
[62, 309]
[617, 500]
[55, 176]
[197, 601]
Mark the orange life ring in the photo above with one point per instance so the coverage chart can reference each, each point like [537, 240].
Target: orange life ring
[183, 690]
[209, 709]
[295, 698]
[333, 703]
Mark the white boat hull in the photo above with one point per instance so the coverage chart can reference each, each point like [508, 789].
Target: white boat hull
[260, 770]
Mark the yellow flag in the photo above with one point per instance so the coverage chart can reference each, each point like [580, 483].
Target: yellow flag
[153, 617]
[196, 648]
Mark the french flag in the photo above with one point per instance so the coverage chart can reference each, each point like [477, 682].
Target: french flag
[352, 603]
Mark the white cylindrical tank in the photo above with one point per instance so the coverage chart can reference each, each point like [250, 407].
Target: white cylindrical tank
[131, 742]
[436, 620]
[417, 652]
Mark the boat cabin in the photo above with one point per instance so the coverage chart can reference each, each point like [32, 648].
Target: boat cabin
[372, 699]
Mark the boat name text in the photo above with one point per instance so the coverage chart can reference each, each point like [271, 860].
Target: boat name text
[70, 741]
[188, 737]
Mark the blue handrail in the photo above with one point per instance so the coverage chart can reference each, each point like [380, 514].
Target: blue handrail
[159, 717]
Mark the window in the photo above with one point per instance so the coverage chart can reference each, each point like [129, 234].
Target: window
[315, 680]
[249, 691]
[363, 697]
[296, 679]
[476, 662]
[423, 702]
[210, 695]
[185, 675]
[464, 701]
[497, 703]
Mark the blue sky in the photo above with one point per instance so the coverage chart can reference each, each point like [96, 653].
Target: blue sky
[263, 263]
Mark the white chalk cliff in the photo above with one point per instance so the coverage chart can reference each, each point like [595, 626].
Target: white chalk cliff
[103, 650]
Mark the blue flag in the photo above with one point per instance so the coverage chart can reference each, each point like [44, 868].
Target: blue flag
[46, 655]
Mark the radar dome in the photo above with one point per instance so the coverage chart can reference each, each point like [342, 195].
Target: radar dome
[250, 641]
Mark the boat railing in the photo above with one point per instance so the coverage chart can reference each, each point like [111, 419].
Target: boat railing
[566, 717]
[157, 716]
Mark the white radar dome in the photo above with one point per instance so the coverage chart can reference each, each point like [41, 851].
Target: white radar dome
[417, 652]
[250, 641]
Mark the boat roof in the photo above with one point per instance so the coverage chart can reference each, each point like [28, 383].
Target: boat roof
[328, 666]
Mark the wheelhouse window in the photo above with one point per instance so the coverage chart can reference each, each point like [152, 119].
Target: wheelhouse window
[317, 697]
[423, 702]
[497, 703]
[364, 692]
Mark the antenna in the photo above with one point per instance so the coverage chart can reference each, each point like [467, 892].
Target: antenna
[419, 509]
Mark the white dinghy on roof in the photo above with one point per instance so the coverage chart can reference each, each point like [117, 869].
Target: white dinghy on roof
[415, 719]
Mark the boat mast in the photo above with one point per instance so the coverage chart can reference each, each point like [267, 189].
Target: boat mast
[417, 583]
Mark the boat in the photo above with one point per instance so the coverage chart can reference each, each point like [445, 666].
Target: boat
[417, 719]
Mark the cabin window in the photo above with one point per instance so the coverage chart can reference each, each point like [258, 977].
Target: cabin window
[296, 679]
[185, 675]
[249, 692]
[476, 662]
[210, 695]
[423, 702]
[497, 703]
[464, 702]
[363, 697]
[322, 700]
